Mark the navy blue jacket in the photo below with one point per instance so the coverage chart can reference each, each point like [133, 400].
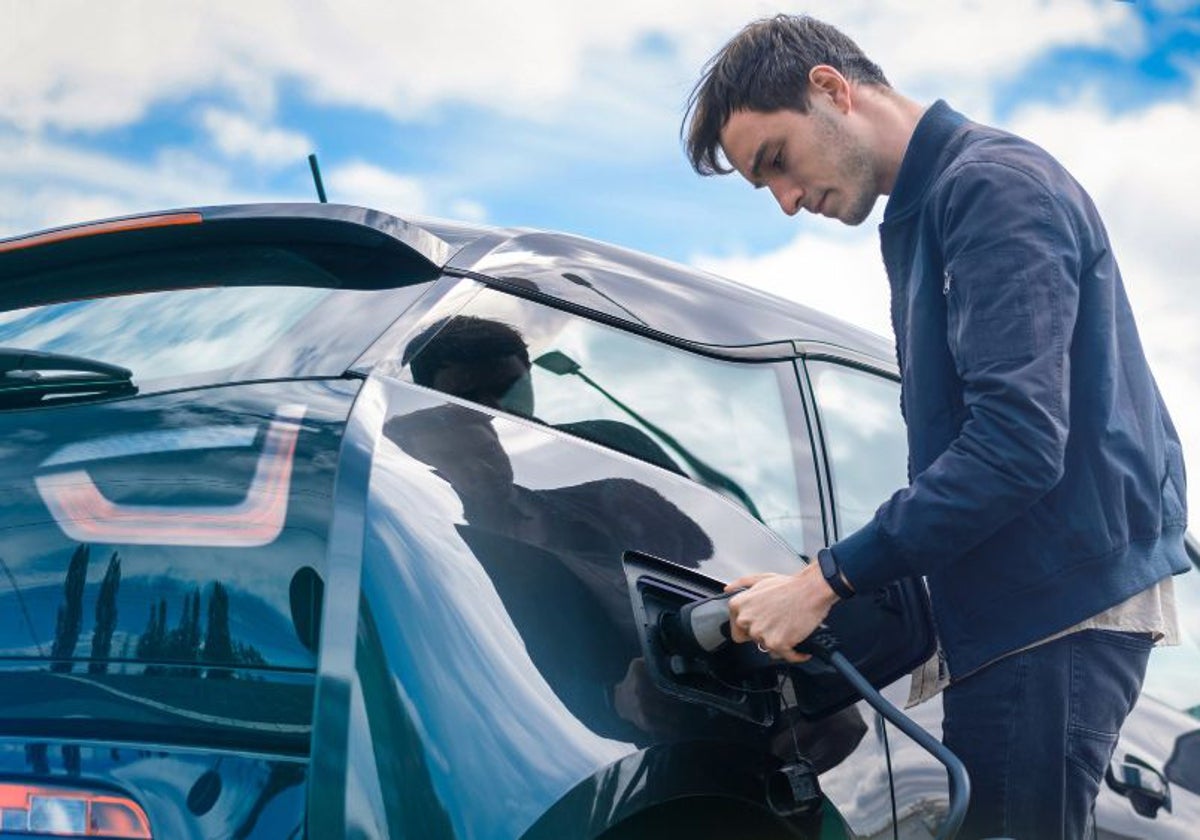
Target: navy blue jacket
[1046, 478]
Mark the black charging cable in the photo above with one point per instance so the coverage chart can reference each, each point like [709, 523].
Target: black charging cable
[824, 646]
[701, 628]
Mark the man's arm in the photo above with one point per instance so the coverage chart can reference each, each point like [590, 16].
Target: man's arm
[1012, 262]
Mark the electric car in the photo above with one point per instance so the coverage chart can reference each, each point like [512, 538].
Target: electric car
[317, 522]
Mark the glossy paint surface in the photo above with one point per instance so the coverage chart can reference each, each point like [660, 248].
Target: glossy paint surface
[182, 607]
[496, 650]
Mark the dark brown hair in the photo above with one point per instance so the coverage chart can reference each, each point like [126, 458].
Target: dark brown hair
[765, 68]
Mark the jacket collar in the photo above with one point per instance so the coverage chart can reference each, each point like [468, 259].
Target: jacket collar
[920, 164]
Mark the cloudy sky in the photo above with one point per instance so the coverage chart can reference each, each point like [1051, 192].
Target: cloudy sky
[565, 115]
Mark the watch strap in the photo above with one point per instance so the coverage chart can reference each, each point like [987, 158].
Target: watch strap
[833, 574]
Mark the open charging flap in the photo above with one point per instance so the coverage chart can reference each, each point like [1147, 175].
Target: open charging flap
[884, 634]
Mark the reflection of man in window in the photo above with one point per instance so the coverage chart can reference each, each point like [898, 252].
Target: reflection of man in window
[478, 359]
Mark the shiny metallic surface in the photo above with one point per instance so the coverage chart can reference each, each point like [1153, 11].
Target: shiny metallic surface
[496, 648]
[667, 297]
[176, 641]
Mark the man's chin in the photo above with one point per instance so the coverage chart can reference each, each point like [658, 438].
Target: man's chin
[858, 214]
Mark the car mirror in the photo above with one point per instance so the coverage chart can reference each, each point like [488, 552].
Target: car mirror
[1145, 787]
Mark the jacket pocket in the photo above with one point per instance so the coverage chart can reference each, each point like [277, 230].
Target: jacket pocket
[989, 307]
[1174, 510]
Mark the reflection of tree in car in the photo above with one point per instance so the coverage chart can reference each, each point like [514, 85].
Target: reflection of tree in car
[70, 614]
[106, 616]
[183, 643]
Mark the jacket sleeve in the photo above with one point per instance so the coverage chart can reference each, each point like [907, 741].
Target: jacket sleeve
[1011, 280]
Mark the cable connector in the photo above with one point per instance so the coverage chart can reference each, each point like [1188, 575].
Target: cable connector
[821, 643]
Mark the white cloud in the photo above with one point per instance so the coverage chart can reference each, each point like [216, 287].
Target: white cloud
[839, 272]
[49, 184]
[468, 210]
[82, 65]
[371, 186]
[238, 136]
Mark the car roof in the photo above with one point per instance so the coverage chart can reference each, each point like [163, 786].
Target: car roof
[646, 293]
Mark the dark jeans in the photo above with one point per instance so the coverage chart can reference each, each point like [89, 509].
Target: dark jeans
[1036, 731]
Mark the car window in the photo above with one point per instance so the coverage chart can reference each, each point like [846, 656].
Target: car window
[198, 316]
[865, 440]
[720, 423]
[163, 334]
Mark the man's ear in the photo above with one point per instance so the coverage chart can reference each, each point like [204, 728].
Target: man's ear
[826, 82]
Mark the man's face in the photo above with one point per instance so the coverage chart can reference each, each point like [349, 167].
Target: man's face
[501, 383]
[810, 161]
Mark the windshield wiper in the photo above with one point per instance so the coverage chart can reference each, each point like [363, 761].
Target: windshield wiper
[31, 377]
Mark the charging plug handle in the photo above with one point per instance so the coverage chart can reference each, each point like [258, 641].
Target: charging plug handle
[700, 627]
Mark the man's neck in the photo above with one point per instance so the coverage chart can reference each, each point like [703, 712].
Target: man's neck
[893, 119]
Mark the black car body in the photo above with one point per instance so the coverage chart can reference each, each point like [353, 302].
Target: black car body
[323, 556]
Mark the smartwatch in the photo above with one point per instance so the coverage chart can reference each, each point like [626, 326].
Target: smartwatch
[833, 574]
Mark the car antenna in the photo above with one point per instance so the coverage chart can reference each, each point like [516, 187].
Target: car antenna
[316, 173]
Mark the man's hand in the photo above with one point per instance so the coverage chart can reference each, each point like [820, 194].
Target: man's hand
[777, 612]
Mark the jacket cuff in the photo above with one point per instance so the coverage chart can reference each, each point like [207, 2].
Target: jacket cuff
[868, 559]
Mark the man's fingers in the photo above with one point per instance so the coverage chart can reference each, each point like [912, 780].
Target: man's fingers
[746, 581]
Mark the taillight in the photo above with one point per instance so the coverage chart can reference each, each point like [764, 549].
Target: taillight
[52, 811]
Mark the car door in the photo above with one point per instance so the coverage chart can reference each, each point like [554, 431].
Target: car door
[527, 466]
[864, 458]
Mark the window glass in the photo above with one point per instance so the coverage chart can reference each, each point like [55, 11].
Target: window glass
[1173, 675]
[865, 440]
[720, 423]
[167, 333]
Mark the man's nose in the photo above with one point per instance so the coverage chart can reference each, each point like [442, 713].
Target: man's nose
[789, 197]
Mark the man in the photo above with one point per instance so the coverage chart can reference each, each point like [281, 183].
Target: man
[1045, 504]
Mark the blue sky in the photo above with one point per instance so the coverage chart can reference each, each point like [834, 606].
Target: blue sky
[544, 114]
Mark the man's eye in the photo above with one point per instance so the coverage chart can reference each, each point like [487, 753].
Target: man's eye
[777, 163]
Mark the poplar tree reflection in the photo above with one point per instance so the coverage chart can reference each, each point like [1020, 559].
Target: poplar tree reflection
[106, 616]
[178, 651]
[70, 614]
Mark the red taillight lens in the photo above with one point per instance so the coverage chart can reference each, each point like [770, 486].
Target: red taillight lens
[70, 812]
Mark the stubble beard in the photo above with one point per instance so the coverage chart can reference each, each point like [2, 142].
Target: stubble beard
[855, 170]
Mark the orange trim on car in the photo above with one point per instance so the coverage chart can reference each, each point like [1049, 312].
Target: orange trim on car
[97, 228]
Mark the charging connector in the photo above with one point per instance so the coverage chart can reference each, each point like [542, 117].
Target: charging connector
[701, 629]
